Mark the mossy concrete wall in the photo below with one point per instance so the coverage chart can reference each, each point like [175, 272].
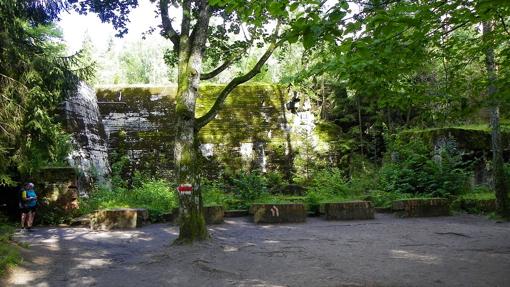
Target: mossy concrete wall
[253, 130]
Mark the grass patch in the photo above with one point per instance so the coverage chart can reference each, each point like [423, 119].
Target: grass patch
[9, 254]
[277, 199]
[481, 201]
[157, 196]
[385, 199]
[478, 196]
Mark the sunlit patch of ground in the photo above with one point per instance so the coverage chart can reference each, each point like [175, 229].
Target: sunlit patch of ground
[447, 251]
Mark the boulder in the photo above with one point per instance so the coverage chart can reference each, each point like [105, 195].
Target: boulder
[119, 218]
[278, 213]
[214, 214]
[421, 207]
[349, 210]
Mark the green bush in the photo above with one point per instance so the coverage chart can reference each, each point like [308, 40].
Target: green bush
[53, 214]
[364, 182]
[157, 196]
[275, 181]
[329, 185]
[215, 193]
[249, 186]
[384, 199]
[415, 169]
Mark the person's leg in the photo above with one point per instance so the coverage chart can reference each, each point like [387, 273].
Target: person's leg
[23, 219]
[31, 215]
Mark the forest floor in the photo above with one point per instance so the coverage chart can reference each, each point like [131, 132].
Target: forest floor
[462, 250]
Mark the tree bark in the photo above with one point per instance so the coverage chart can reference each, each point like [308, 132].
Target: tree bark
[498, 172]
[190, 45]
[191, 218]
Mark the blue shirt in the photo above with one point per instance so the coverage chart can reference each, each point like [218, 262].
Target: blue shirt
[31, 202]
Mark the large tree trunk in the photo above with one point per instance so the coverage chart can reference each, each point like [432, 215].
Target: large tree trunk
[498, 172]
[192, 223]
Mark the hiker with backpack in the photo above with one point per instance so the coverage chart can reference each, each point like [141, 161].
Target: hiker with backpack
[28, 204]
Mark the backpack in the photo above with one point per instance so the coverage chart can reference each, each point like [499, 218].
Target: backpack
[21, 202]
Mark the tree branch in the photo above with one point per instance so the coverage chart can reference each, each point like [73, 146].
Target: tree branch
[211, 114]
[218, 70]
[168, 29]
[502, 20]
[198, 36]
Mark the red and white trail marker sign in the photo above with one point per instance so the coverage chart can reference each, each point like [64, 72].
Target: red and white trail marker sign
[185, 189]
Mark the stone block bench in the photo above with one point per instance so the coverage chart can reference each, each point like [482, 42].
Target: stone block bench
[118, 218]
[478, 205]
[278, 213]
[421, 207]
[349, 210]
[214, 214]
[236, 213]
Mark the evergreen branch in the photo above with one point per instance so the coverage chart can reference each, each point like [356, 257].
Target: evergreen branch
[14, 81]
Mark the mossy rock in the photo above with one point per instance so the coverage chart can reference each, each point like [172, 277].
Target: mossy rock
[421, 207]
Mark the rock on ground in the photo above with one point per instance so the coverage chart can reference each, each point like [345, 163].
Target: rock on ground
[461, 250]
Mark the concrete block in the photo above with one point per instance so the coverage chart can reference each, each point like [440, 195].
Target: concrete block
[278, 213]
[350, 210]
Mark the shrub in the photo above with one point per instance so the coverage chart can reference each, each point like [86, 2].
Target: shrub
[214, 193]
[415, 169]
[364, 182]
[275, 181]
[249, 186]
[156, 195]
[328, 184]
[385, 199]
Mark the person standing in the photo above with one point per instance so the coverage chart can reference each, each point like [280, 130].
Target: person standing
[28, 205]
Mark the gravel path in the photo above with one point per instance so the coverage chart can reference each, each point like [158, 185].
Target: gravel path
[461, 250]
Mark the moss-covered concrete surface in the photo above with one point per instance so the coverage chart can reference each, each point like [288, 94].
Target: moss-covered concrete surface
[251, 129]
[469, 137]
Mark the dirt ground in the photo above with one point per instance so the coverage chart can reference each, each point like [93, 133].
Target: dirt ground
[461, 250]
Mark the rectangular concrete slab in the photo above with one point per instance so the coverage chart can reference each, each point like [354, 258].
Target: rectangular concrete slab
[214, 214]
[278, 213]
[350, 210]
[236, 213]
[421, 207]
[118, 218]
